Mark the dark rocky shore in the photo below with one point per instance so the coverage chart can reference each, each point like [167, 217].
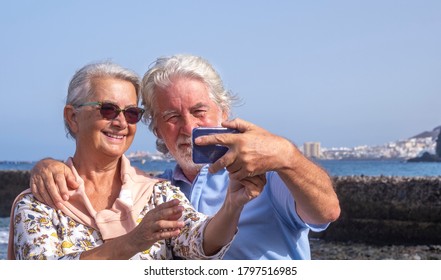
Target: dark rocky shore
[11, 184]
[339, 250]
[382, 217]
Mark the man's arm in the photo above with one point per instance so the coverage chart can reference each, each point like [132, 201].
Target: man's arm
[50, 180]
[256, 151]
[222, 227]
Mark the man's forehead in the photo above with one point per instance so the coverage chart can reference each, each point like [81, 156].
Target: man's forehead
[177, 109]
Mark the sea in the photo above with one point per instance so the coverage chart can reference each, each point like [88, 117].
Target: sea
[333, 167]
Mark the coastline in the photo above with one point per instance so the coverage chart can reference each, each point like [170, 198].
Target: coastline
[383, 217]
[12, 183]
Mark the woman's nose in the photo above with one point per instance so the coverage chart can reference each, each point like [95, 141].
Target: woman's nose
[120, 120]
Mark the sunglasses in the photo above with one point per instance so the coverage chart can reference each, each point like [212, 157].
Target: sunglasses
[110, 111]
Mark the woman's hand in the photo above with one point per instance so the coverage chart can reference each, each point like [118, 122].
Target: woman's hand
[159, 223]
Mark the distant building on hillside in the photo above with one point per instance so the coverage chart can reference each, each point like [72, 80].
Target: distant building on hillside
[312, 149]
[401, 149]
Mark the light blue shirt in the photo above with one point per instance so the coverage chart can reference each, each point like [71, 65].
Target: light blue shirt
[269, 227]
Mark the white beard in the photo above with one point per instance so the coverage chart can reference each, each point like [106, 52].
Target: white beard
[184, 157]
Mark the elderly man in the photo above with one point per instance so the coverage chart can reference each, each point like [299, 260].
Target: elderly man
[182, 92]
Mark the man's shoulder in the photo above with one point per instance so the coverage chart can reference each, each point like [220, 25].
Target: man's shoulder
[166, 174]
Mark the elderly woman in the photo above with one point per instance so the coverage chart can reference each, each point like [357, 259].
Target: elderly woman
[118, 212]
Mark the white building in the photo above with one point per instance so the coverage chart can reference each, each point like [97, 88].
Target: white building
[312, 149]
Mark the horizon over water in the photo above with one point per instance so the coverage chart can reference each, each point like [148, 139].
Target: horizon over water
[367, 167]
[333, 167]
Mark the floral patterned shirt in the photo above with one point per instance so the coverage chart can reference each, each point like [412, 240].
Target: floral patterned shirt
[42, 232]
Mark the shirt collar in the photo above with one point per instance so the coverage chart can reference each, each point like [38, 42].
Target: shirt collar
[178, 174]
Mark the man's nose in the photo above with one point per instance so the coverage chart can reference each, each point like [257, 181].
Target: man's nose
[188, 124]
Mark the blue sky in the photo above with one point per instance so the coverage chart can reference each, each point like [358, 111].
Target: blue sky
[344, 73]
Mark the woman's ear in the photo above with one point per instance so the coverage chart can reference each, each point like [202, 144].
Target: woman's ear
[70, 116]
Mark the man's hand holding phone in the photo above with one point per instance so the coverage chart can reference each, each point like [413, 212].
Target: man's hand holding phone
[251, 152]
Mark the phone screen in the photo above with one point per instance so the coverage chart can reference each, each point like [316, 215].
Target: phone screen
[209, 153]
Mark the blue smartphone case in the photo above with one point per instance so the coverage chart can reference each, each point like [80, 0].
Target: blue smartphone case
[209, 153]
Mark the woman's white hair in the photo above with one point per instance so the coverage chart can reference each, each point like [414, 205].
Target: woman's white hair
[81, 84]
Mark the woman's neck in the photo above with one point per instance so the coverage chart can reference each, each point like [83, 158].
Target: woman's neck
[102, 180]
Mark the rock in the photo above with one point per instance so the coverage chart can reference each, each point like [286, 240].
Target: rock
[379, 211]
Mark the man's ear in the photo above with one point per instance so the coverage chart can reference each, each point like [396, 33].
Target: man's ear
[225, 115]
[156, 133]
[70, 116]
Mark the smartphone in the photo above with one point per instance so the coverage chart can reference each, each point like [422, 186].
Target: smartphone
[209, 153]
